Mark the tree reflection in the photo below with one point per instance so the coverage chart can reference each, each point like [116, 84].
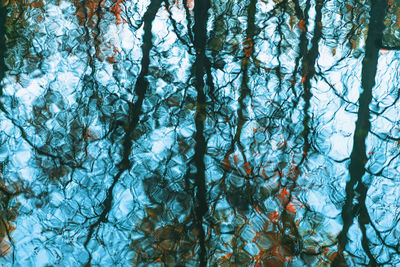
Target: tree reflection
[199, 133]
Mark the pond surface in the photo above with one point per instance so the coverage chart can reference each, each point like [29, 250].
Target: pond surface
[199, 133]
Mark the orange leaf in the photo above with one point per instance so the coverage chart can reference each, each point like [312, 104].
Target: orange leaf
[235, 158]
[291, 208]
[302, 24]
[273, 216]
[247, 168]
[117, 10]
[111, 60]
[284, 194]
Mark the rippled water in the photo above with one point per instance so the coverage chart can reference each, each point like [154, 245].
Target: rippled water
[199, 133]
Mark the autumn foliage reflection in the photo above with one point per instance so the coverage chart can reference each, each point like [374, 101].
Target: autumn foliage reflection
[199, 132]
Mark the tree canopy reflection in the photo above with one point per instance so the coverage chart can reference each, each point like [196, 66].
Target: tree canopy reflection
[199, 133]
